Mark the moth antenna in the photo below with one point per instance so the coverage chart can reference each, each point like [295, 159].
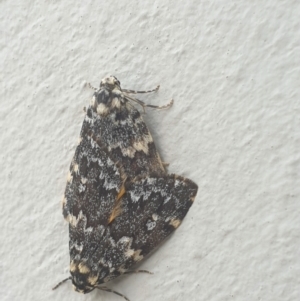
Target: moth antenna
[136, 92]
[138, 271]
[88, 85]
[141, 103]
[112, 291]
[63, 281]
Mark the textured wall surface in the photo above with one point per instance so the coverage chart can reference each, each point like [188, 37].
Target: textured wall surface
[233, 69]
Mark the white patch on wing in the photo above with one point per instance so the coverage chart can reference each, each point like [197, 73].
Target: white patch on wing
[77, 247]
[154, 216]
[138, 192]
[128, 152]
[76, 168]
[177, 183]
[175, 222]
[142, 145]
[125, 243]
[121, 269]
[74, 221]
[137, 255]
[150, 225]
[81, 187]
[88, 230]
[128, 253]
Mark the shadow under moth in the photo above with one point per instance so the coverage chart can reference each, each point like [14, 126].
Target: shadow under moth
[119, 200]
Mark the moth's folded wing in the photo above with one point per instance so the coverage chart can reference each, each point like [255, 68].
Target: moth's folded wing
[93, 185]
[123, 131]
[152, 208]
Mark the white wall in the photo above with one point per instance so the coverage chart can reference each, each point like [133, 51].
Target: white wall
[233, 69]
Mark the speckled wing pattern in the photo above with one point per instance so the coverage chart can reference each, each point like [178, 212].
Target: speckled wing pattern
[93, 184]
[119, 201]
[152, 208]
[116, 124]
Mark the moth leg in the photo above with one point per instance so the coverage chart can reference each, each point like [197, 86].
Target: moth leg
[149, 106]
[60, 283]
[112, 291]
[136, 92]
[138, 271]
[90, 86]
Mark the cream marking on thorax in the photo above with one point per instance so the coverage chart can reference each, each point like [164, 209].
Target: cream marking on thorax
[102, 109]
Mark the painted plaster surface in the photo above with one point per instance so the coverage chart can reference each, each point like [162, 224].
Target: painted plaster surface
[233, 69]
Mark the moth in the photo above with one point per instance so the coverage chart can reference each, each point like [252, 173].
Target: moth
[119, 200]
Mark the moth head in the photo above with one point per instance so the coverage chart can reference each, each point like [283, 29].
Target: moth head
[81, 284]
[110, 83]
[83, 279]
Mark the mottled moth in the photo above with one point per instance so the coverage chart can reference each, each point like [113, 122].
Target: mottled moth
[119, 200]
